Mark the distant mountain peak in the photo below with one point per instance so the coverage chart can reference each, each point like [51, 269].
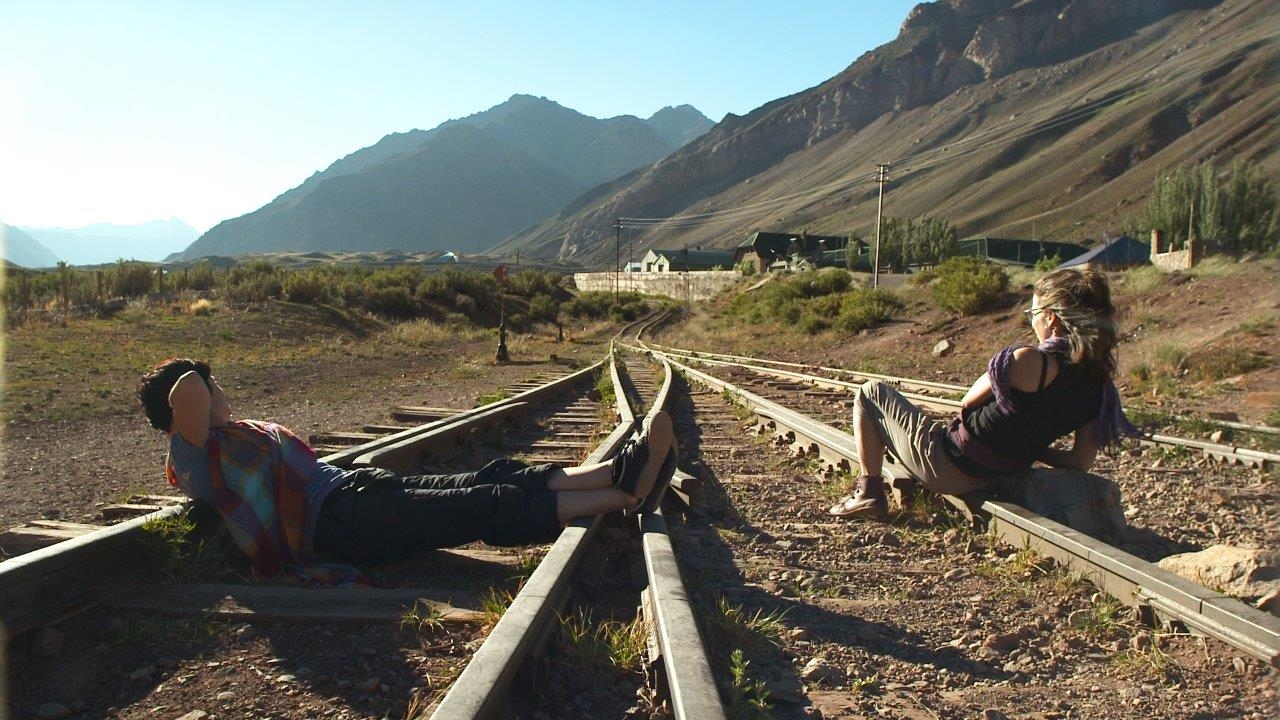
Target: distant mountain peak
[466, 183]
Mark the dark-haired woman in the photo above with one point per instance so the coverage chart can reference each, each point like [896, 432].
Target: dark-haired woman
[1028, 398]
[284, 507]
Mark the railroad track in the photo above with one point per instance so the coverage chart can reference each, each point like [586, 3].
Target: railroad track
[840, 585]
[945, 398]
[110, 566]
[1158, 594]
[541, 422]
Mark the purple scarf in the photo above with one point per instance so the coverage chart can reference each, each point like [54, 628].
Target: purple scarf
[1112, 423]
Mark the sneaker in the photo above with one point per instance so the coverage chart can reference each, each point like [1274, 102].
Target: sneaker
[868, 499]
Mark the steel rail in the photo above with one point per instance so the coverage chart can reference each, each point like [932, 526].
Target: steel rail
[481, 690]
[1229, 453]
[51, 584]
[690, 684]
[1130, 579]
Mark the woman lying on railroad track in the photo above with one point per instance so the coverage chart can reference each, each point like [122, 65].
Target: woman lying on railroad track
[284, 507]
[1028, 398]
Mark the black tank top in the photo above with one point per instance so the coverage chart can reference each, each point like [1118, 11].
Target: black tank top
[1072, 399]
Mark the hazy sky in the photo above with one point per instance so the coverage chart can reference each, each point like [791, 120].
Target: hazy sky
[125, 112]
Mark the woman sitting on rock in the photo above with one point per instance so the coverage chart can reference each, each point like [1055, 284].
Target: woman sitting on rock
[283, 506]
[1028, 398]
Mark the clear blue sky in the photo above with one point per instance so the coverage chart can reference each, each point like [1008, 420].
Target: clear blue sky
[124, 112]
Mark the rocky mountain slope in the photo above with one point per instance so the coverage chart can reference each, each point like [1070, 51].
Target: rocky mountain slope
[463, 185]
[20, 248]
[1046, 118]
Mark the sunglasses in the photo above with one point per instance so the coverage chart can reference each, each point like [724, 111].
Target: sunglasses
[1032, 312]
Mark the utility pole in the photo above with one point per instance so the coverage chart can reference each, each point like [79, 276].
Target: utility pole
[882, 177]
[617, 267]
[631, 280]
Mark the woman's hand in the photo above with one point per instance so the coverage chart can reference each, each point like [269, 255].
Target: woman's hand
[189, 399]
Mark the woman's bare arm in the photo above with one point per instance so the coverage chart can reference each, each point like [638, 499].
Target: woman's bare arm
[1083, 452]
[189, 399]
[978, 393]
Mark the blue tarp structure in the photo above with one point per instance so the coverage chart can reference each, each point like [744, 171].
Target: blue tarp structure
[1122, 252]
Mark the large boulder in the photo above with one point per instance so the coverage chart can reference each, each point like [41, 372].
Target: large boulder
[1082, 501]
[1243, 572]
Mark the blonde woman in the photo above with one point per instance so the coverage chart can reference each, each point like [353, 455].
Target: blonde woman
[1028, 398]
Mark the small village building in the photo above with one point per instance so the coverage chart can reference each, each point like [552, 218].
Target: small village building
[684, 259]
[763, 249]
[1117, 254]
[1013, 251]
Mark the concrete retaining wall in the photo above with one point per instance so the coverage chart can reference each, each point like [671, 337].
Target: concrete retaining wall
[697, 285]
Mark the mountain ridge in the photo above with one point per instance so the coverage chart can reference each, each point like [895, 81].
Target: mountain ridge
[574, 152]
[957, 70]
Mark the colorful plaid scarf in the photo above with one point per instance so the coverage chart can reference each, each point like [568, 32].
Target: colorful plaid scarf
[267, 512]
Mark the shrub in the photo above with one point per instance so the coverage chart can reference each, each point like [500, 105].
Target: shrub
[747, 269]
[1223, 362]
[1045, 264]
[864, 307]
[132, 279]
[968, 284]
[531, 283]
[392, 302]
[197, 277]
[309, 287]
[821, 282]
[543, 309]
[257, 281]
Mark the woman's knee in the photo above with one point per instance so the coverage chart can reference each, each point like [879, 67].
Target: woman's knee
[869, 395]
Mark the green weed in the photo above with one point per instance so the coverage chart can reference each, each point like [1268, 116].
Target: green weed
[864, 685]
[604, 386]
[152, 630]
[599, 646]
[1107, 617]
[492, 397]
[1152, 660]
[178, 553]
[494, 604]
[423, 618]
[739, 628]
[749, 698]
[1223, 362]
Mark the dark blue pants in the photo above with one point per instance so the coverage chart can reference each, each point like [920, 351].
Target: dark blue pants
[379, 517]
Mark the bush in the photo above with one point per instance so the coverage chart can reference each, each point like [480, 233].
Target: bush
[132, 279]
[197, 277]
[309, 287]
[1045, 264]
[543, 309]
[531, 283]
[864, 307]
[257, 281]
[392, 302]
[747, 269]
[821, 282]
[968, 284]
